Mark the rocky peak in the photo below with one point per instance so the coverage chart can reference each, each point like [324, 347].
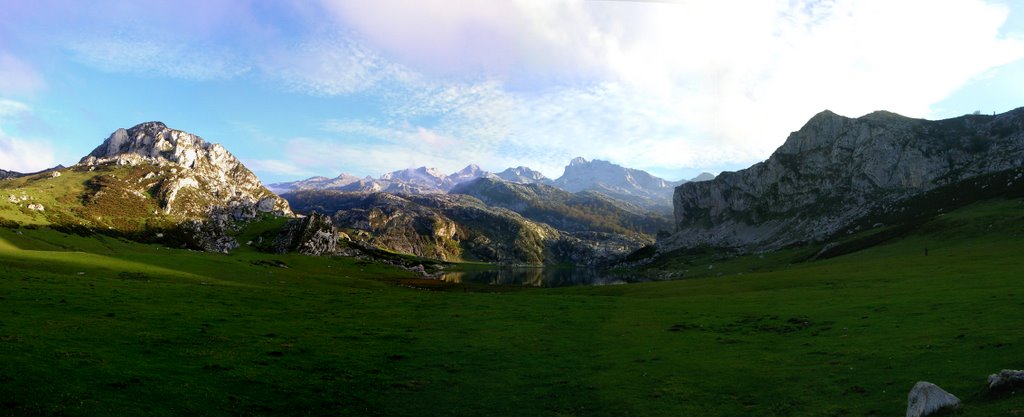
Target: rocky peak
[524, 175]
[471, 169]
[469, 173]
[153, 142]
[217, 179]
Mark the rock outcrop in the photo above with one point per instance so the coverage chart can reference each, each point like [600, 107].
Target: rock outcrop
[927, 398]
[834, 171]
[214, 178]
[314, 235]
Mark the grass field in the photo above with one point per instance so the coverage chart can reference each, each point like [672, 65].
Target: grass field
[100, 326]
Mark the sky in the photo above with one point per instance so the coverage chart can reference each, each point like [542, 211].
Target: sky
[673, 87]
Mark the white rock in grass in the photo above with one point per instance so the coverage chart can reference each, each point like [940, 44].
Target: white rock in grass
[926, 398]
[1005, 378]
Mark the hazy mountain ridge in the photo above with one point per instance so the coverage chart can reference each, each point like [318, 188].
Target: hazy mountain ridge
[422, 180]
[836, 170]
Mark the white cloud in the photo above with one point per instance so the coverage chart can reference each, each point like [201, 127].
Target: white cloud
[686, 84]
[18, 153]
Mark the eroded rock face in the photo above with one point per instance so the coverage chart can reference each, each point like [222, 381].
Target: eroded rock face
[217, 177]
[927, 398]
[834, 171]
[314, 235]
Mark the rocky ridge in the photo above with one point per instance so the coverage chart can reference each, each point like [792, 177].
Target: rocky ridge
[834, 171]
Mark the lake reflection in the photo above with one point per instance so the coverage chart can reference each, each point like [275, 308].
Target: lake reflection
[537, 277]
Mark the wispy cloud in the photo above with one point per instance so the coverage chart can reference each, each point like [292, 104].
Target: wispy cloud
[159, 58]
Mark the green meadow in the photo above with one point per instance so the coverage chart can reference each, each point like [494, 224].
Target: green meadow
[97, 325]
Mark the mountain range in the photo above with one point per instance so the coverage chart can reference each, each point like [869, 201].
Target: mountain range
[630, 185]
[835, 179]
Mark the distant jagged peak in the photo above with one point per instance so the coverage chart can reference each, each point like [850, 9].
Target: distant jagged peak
[524, 175]
[409, 173]
[469, 169]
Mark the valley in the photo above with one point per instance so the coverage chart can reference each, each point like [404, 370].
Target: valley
[160, 277]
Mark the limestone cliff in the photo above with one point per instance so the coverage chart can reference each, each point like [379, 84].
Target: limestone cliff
[834, 171]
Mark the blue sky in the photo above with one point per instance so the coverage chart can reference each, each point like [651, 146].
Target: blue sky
[304, 88]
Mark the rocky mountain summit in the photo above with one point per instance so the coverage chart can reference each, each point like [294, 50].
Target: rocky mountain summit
[834, 171]
[209, 174]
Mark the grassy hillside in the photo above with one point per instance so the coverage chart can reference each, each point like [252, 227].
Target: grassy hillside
[109, 197]
[100, 326]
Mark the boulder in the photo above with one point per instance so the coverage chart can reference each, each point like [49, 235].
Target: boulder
[927, 398]
[1005, 379]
